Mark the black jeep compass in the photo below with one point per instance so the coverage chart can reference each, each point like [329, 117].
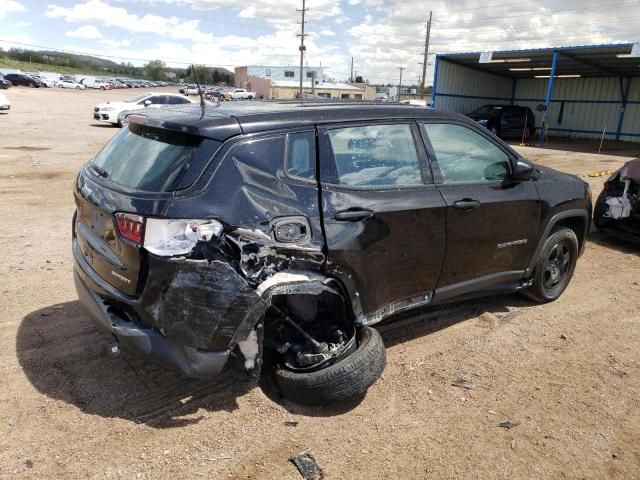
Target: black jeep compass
[207, 238]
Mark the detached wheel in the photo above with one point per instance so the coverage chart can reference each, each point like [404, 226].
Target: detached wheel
[554, 267]
[348, 378]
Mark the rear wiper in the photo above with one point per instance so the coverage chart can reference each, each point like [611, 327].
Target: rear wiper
[99, 170]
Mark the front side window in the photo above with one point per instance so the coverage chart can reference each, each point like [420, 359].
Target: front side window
[381, 156]
[465, 156]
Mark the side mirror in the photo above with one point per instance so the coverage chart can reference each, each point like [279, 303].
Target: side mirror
[523, 169]
[147, 103]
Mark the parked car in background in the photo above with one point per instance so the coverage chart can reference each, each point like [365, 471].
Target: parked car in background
[95, 83]
[23, 80]
[416, 102]
[110, 111]
[617, 209]
[69, 83]
[506, 121]
[202, 240]
[5, 104]
[4, 83]
[189, 90]
[242, 94]
[45, 82]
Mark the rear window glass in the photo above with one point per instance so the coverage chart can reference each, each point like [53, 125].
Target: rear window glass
[301, 155]
[153, 160]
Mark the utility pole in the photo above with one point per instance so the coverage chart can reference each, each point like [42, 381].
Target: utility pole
[351, 77]
[400, 85]
[302, 47]
[426, 56]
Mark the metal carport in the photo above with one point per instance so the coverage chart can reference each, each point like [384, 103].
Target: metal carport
[586, 89]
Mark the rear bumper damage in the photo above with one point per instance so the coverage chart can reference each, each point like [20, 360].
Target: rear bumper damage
[195, 314]
[148, 342]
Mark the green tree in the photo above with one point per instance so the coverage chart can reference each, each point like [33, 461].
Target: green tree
[155, 69]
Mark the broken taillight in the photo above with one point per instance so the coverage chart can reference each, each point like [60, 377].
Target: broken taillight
[168, 237]
[130, 226]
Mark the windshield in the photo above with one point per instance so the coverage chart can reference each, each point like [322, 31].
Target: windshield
[151, 159]
[137, 98]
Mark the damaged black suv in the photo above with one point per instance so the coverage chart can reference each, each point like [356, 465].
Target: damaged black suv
[214, 237]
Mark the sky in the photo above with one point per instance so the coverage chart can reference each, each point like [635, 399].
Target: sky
[380, 35]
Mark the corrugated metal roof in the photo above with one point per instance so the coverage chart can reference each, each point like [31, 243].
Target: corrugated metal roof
[583, 60]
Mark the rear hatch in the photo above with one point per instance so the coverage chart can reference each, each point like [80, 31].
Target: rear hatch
[133, 178]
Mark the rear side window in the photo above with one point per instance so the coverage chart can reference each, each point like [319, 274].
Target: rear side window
[153, 160]
[376, 156]
[465, 156]
[301, 155]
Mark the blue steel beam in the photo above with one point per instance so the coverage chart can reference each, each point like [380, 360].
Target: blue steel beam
[434, 90]
[624, 97]
[547, 101]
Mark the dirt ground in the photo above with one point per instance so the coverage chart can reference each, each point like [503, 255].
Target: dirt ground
[567, 374]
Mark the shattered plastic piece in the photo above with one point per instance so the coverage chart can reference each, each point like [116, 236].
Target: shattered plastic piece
[307, 466]
[509, 424]
[464, 383]
[250, 349]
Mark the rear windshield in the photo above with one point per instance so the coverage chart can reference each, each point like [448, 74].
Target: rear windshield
[153, 160]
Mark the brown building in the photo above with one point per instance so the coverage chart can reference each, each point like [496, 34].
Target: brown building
[279, 85]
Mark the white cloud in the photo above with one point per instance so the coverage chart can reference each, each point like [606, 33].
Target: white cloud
[327, 33]
[100, 12]
[22, 24]
[10, 6]
[88, 32]
[396, 38]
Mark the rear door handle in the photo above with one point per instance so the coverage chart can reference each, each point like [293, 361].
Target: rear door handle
[466, 204]
[353, 215]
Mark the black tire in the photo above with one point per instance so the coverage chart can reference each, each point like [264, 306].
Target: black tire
[31, 84]
[102, 88]
[554, 266]
[347, 379]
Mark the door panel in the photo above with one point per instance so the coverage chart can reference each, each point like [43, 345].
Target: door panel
[492, 220]
[495, 237]
[385, 242]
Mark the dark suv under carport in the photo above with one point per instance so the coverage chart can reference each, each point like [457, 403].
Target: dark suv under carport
[506, 121]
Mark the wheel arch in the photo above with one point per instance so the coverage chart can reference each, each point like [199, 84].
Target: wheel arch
[576, 219]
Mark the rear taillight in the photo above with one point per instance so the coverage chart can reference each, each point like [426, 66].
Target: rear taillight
[130, 226]
[169, 237]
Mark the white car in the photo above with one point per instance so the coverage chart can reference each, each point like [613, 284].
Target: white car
[69, 84]
[5, 104]
[110, 111]
[242, 94]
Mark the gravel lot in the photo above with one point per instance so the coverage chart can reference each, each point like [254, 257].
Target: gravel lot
[566, 374]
